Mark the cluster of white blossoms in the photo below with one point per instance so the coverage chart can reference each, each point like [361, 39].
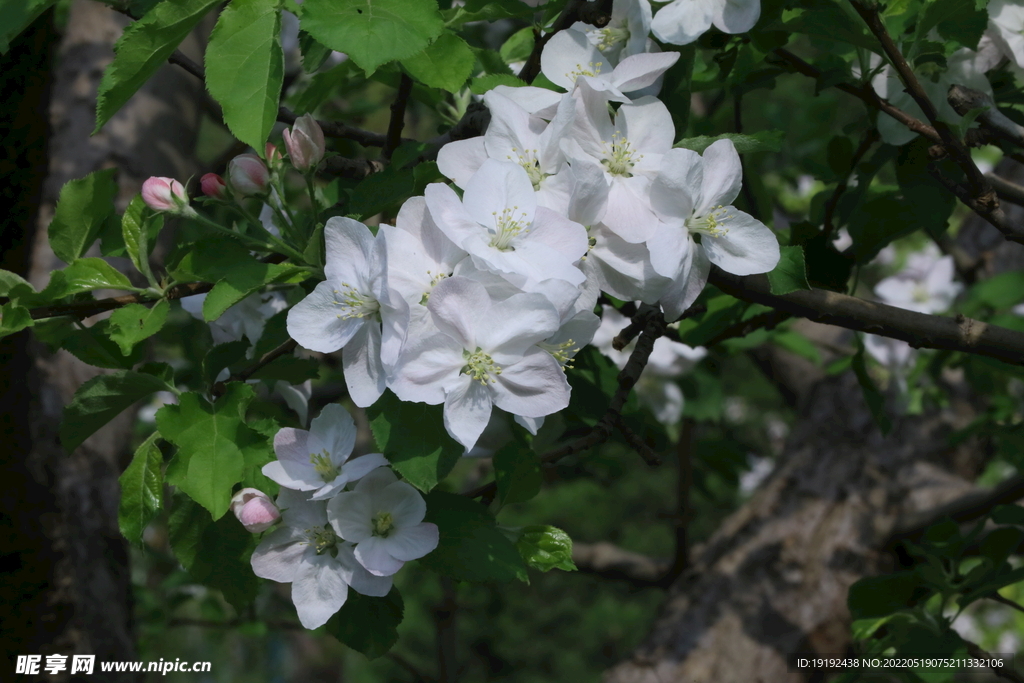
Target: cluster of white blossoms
[344, 522]
[480, 299]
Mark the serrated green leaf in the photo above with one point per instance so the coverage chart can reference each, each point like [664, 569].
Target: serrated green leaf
[137, 225]
[761, 141]
[247, 40]
[210, 441]
[517, 472]
[446, 63]
[84, 275]
[373, 32]
[135, 322]
[379, 191]
[91, 345]
[223, 356]
[16, 16]
[959, 20]
[545, 548]
[142, 487]
[82, 209]
[9, 281]
[314, 53]
[412, 437]
[143, 48]
[470, 548]
[790, 274]
[100, 400]
[13, 318]
[518, 46]
[367, 624]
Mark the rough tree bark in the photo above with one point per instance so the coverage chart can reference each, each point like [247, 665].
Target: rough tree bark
[69, 589]
[773, 580]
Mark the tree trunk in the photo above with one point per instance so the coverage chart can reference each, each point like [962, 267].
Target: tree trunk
[70, 590]
[773, 580]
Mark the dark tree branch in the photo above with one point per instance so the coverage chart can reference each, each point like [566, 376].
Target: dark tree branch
[994, 214]
[996, 597]
[473, 123]
[964, 99]
[86, 309]
[967, 508]
[397, 123]
[918, 329]
[354, 169]
[635, 442]
[1011, 192]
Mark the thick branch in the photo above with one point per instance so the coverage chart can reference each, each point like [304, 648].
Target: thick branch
[86, 309]
[917, 329]
[1011, 192]
[964, 99]
[994, 214]
[611, 562]
[965, 509]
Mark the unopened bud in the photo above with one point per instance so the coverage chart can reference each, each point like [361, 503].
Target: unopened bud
[305, 143]
[248, 175]
[165, 194]
[273, 155]
[214, 186]
[255, 510]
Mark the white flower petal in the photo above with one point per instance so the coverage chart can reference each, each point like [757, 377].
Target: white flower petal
[641, 71]
[533, 387]
[405, 504]
[460, 159]
[499, 187]
[568, 53]
[686, 286]
[723, 175]
[747, 247]
[374, 556]
[360, 580]
[627, 215]
[412, 543]
[318, 590]
[683, 21]
[360, 360]
[348, 245]
[357, 468]
[737, 16]
[277, 556]
[677, 187]
[333, 431]
[350, 514]
[318, 323]
[467, 408]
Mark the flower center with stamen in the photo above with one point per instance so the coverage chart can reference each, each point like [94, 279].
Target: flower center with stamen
[619, 156]
[710, 224]
[920, 294]
[354, 304]
[609, 37]
[322, 538]
[563, 352]
[507, 227]
[480, 366]
[527, 158]
[434, 279]
[324, 467]
[382, 524]
[592, 70]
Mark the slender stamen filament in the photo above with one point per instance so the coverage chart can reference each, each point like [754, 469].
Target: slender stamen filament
[324, 467]
[322, 538]
[563, 352]
[593, 69]
[712, 223]
[434, 279]
[528, 159]
[619, 156]
[354, 303]
[480, 366]
[610, 37]
[507, 228]
[382, 524]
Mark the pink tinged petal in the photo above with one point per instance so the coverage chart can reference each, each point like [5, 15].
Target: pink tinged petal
[723, 175]
[405, 504]
[360, 580]
[456, 305]
[412, 543]
[459, 160]
[676, 189]
[318, 590]
[628, 215]
[351, 515]
[467, 408]
[738, 16]
[348, 244]
[640, 71]
[258, 515]
[568, 53]
[333, 431]
[277, 556]
[747, 247]
[357, 468]
[533, 387]
[512, 326]
[647, 125]
[360, 359]
[683, 21]
[687, 286]
[374, 556]
[500, 186]
[318, 323]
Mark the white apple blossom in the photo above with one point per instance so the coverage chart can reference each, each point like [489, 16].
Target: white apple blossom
[350, 308]
[476, 353]
[926, 284]
[693, 197]
[318, 460]
[1006, 27]
[500, 225]
[246, 319]
[683, 21]
[570, 59]
[625, 34]
[893, 354]
[628, 152]
[384, 518]
[306, 552]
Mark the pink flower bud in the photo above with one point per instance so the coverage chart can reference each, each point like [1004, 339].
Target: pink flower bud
[248, 175]
[164, 194]
[255, 510]
[214, 186]
[305, 143]
[272, 154]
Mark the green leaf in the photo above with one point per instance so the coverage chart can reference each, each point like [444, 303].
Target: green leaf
[84, 275]
[82, 208]
[830, 21]
[138, 223]
[879, 221]
[9, 281]
[517, 471]
[15, 17]
[143, 48]
[471, 548]
[790, 274]
[142, 486]
[247, 41]
[545, 548]
[479, 86]
[1008, 514]
[798, 344]
[412, 437]
[288, 369]
[379, 191]
[367, 624]
[100, 400]
[210, 441]
[314, 53]
[959, 20]
[879, 596]
[13, 318]
[223, 356]
[215, 553]
[91, 345]
[761, 141]
[135, 322]
[446, 63]
[373, 32]
[872, 396]
[518, 46]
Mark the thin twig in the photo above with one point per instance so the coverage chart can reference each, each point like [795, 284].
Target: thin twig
[635, 442]
[869, 139]
[993, 214]
[1011, 192]
[86, 309]
[397, 122]
[768, 320]
[996, 597]
[266, 359]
